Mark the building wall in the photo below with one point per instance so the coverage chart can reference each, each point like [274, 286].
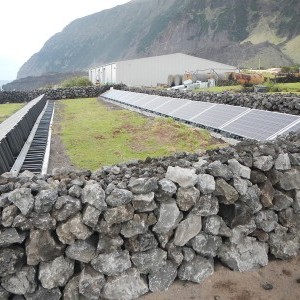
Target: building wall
[151, 71]
[155, 70]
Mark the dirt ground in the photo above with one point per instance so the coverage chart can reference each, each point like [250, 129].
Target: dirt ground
[279, 280]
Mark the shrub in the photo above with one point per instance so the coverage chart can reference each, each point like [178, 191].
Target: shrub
[76, 81]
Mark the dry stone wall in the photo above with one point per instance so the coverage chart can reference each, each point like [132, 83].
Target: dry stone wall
[288, 103]
[125, 230]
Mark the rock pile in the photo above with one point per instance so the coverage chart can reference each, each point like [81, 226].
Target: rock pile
[125, 230]
[289, 103]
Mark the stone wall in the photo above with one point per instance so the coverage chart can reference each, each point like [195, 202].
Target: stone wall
[125, 230]
[284, 103]
[54, 94]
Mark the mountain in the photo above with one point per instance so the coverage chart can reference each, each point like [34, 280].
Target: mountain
[2, 82]
[235, 32]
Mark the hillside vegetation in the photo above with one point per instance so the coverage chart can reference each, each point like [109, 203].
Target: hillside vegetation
[232, 31]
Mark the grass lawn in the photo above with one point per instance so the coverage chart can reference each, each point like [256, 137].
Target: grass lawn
[285, 87]
[218, 89]
[95, 135]
[7, 110]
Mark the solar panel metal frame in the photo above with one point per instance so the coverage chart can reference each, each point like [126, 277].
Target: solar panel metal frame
[170, 106]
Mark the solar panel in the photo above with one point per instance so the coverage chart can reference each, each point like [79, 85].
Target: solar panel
[192, 109]
[241, 121]
[219, 115]
[260, 124]
[170, 106]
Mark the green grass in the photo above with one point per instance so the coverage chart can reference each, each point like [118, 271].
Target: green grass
[218, 89]
[284, 87]
[95, 135]
[7, 110]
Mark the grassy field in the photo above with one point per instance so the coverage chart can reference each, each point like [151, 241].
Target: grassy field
[95, 135]
[7, 110]
[284, 87]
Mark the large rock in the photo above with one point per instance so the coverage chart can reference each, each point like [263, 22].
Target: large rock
[119, 197]
[290, 180]
[10, 236]
[184, 177]
[71, 290]
[119, 214]
[238, 169]
[45, 200]
[149, 261]
[282, 163]
[144, 202]
[46, 294]
[73, 229]
[263, 163]
[206, 205]
[8, 215]
[66, 207]
[113, 263]
[217, 169]
[138, 225]
[22, 282]
[94, 195]
[187, 229]
[167, 189]
[125, 287]
[168, 217]
[206, 183]
[247, 255]
[267, 194]
[187, 197]
[90, 216]
[83, 251]
[252, 198]
[56, 273]
[215, 225]
[143, 185]
[284, 245]
[41, 246]
[91, 283]
[163, 277]
[11, 260]
[281, 201]
[241, 185]
[108, 244]
[23, 199]
[196, 270]
[266, 220]
[141, 242]
[206, 245]
[225, 192]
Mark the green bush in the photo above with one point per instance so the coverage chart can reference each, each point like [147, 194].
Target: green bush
[76, 81]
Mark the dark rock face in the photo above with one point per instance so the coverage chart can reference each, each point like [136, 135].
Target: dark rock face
[120, 236]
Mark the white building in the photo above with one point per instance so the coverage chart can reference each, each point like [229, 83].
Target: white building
[151, 71]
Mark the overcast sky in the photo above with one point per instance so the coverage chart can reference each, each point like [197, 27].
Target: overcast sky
[25, 25]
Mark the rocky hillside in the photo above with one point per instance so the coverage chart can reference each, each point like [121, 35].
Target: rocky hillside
[232, 31]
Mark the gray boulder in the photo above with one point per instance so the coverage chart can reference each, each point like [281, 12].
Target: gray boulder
[138, 225]
[187, 229]
[119, 214]
[11, 260]
[206, 205]
[290, 180]
[281, 201]
[161, 279]
[215, 225]
[46, 294]
[217, 169]
[108, 244]
[245, 256]
[267, 194]
[184, 177]
[22, 282]
[10, 236]
[196, 270]
[23, 199]
[94, 195]
[168, 217]
[125, 287]
[206, 245]
[141, 242]
[266, 220]
[66, 207]
[8, 215]
[282, 162]
[239, 169]
[206, 183]
[91, 283]
[167, 189]
[113, 263]
[56, 273]
[241, 185]
[144, 202]
[149, 261]
[263, 163]
[225, 192]
[83, 251]
[45, 200]
[90, 216]
[143, 185]
[252, 198]
[187, 197]
[119, 197]
[41, 246]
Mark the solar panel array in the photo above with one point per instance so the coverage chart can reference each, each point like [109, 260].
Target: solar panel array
[235, 120]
